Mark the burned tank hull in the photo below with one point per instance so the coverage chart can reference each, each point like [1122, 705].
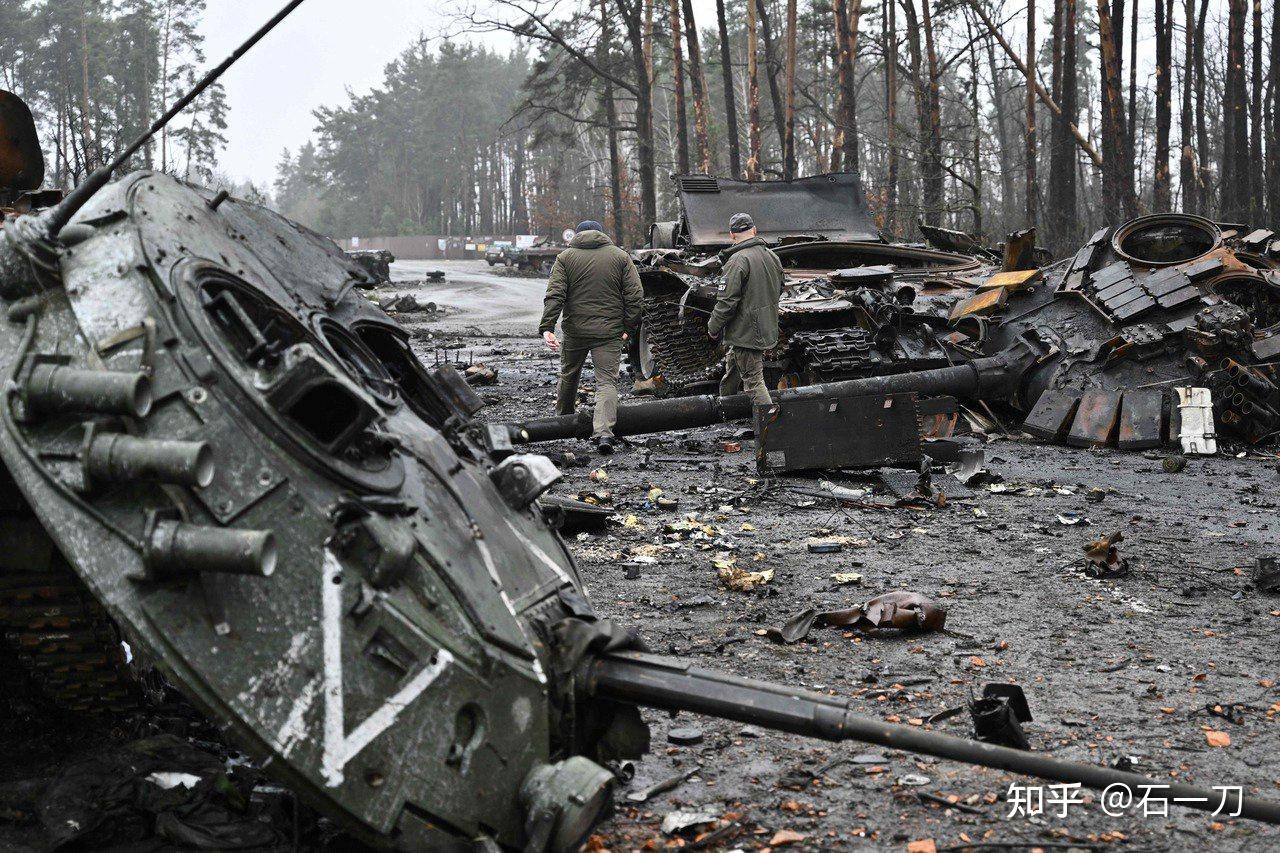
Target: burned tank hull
[241, 459]
[1157, 303]
[854, 305]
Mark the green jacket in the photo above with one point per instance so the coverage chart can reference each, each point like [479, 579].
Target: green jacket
[747, 307]
[596, 287]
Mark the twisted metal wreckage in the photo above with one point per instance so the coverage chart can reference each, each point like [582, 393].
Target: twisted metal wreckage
[1152, 334]
[215, 447]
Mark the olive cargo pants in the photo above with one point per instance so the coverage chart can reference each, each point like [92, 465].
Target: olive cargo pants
[744, 370]
[606, 358]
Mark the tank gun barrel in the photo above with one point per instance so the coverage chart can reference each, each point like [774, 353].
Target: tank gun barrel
[672, 685]
[993, 377]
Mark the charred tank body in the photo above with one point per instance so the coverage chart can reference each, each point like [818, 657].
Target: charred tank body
[1104, 349]
[1157, 303]
[854, 305]
[21, 160]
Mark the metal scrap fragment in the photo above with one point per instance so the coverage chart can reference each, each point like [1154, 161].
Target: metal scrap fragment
[904, 611]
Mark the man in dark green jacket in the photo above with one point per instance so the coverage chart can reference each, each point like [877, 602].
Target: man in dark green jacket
[746, 312]
[596, 288]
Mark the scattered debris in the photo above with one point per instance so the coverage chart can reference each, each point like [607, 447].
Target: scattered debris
[903, 611]
[685, 736]
[676, 822]
[739, 579]
[1266, 574]
[999, 714]
[480, 374]
[661, 787]
[1102, 557]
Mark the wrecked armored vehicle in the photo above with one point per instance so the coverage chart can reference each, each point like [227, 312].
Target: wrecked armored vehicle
[1160, 331]
[1144, 314]
[21, 160]
[376, 262]
[854, 305]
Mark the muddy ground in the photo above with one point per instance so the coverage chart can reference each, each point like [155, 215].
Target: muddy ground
[1122, 671]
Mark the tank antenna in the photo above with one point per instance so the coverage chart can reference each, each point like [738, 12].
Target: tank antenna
[78, 197]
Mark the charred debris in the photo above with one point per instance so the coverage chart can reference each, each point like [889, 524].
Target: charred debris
[1161, 332]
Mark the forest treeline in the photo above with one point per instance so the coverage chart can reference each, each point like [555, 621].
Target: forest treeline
[96, 73]
[1063, 114]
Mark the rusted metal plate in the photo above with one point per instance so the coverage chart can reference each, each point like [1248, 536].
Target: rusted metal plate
[1257, 241]
[1097, 420]
[1012, 280]
[837, 432]
[1142, 419]
[984, 303]
[1053, 414]
[1204, 269]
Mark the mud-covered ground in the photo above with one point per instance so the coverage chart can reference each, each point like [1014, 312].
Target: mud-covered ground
[1116, 671]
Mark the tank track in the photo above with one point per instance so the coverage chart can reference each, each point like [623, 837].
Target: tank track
[65, 644]
[838, 353]
[682, 353]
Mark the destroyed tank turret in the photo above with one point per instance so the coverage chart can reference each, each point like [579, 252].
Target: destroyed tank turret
[309, 535]
[854, 303]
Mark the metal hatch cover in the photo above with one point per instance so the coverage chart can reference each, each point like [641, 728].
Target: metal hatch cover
[831, 206]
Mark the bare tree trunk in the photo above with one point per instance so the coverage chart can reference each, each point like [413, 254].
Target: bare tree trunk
[85, 131]
[1062, 159]
[611, 131]
[1033, 190]
[1273, 123]
[1187, 165]
[891, 116]
[853, 10]
[975, 104]
[1234, 203]
[753, 95]
[1202, 131]
[677, 71]
[730, 108]
[774, 68]
[698, 81]
[844, 81]
[1255, 185]
[1002, 134]
[1160, 190]
[1132, 134]
[1117, 167]
[789, 124]
[638, 21]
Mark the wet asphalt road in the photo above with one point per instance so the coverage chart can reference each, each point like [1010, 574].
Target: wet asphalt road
[1140, 671]
[475, 296]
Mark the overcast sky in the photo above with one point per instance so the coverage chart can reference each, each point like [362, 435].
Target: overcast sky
[320, 51]
[323, 49]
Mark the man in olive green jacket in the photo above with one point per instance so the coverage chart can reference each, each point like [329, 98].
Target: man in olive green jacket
[596, 288]
[746, 312]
